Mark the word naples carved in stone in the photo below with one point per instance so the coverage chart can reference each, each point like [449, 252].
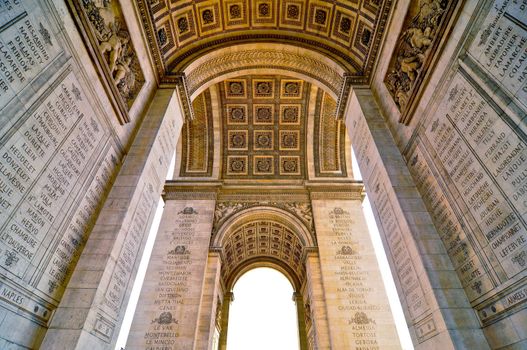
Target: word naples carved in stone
[108, 40]
[417, 47]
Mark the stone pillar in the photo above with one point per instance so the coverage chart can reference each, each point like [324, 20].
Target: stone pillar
[228, 297]
[301, 316]
[168, 311]
[436, 307]
[318, 335]
[359, 314]
[91, 310]
[208, 311]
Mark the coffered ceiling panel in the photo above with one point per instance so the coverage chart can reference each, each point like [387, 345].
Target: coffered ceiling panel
[347, 31]
[264, 131]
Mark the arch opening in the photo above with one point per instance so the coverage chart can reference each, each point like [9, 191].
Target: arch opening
[263, 314]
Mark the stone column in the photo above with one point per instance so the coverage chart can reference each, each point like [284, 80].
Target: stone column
[228, 297]
[318, 337]
[208, 311]
[359, 314]
[168, 310]
[91, 310]
[301, 316]
[436, 308]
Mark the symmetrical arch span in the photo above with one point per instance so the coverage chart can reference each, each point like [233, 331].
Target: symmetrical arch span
[266, 213]
[263, 235]
[246, 59]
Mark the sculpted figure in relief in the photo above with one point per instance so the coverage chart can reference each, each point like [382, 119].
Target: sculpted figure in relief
[413, 49]
[115, 47]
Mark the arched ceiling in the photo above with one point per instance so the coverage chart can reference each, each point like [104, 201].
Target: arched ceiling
[264, 127]
[263, 239]
[348, 32]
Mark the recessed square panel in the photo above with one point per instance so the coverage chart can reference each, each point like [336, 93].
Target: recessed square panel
[363, 38]
[235, 14]
[185, 26]
[235, 88]
[209, 18]
[237, 114]
[319, 17]
[237, 165]
[264, 12]
[263, 165]
[292, 13]
[263, 140]
[290, 114]
[237, 140]
[263, 88]
[291, 89]
[343, 25]
[263, 114]
[289, 140]
[289, 165]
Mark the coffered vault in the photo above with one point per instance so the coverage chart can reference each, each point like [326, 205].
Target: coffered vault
[271, 127]
[348, 31]
[260, 100]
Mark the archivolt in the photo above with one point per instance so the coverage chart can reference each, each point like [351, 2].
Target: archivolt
[247, 59]
[260, 236]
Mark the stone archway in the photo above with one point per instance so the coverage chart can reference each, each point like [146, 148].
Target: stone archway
[264, 237]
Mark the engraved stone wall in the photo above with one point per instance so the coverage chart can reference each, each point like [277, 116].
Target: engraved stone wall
[468, 159]
[167, 312]
[57, 162]
[358, 313]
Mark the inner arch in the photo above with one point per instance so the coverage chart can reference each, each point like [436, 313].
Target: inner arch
[263, 313]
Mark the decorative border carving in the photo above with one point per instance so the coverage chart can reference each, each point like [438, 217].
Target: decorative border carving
[339, 138]
[195, 191]
[179, 81]
[264, 59]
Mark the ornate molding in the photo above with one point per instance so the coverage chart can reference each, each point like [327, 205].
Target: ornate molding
[351, 191]
[214, 67]
[343, 96]
[179, 81]
[189, 191]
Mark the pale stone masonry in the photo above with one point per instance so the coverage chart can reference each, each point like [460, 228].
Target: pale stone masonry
[261, 102]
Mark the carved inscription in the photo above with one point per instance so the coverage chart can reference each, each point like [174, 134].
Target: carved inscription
[42, 165]
[469, 263]
[399, 251]
[349, 275]
[68, 249]
[486, 161]
[171, 300]
[500, 46]
[27, 46]
[352, 286]
[129, 251]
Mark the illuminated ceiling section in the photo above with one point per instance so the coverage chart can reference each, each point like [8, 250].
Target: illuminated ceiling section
[268, 123]
[347, 31]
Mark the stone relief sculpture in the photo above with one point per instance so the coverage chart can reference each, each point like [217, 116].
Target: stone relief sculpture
[108, 37]
[423, 27]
